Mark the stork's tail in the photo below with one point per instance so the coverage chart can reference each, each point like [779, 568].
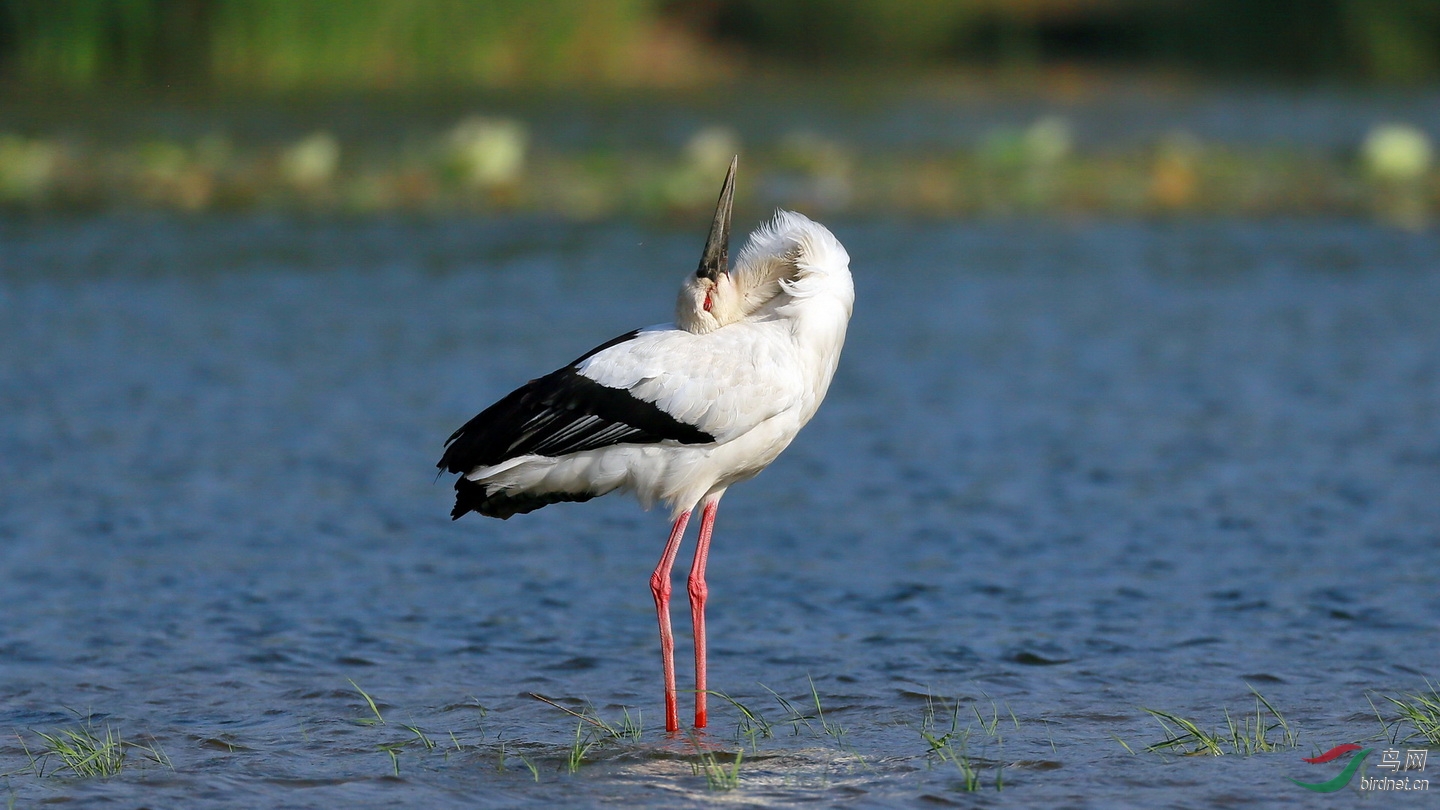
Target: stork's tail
[473, 496]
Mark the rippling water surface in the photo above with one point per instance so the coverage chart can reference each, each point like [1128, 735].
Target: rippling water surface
[1065, 472]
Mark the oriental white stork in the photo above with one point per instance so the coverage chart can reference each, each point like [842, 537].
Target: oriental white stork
[675, 413]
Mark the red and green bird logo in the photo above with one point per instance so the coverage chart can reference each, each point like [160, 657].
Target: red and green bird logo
[1344, 777]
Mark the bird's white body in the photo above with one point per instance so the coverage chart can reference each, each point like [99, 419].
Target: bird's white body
[679, 412]
[751, 384]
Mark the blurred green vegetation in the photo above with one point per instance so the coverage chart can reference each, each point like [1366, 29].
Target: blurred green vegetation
[319, 44]
[836, 32]
[1366, 40]
[268, 45]
[488, 165]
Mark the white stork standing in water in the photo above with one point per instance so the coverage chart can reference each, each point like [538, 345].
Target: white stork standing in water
[675, 413]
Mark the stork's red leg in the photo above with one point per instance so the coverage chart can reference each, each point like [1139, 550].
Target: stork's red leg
[698, 593]
[660, 587]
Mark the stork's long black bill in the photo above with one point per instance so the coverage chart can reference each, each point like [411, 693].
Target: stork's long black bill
[716, 258]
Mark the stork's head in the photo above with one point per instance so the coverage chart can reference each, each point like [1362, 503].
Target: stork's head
[788, 258]
[709, 299]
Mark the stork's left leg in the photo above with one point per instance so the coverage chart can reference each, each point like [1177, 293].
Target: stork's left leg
[698, 592]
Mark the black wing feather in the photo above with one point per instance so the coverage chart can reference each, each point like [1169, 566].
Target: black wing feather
[562, 412]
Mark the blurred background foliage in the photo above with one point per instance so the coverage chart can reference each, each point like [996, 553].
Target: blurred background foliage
[1360, 40]
[320, 44]
[594, 108]
[385, 44]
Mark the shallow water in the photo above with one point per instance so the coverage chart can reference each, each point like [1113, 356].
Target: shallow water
[1065, 472]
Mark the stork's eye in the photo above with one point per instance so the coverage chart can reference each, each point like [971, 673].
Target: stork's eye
[707, 302]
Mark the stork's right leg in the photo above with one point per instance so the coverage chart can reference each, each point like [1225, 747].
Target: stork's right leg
[698, 594]
[660, 588]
